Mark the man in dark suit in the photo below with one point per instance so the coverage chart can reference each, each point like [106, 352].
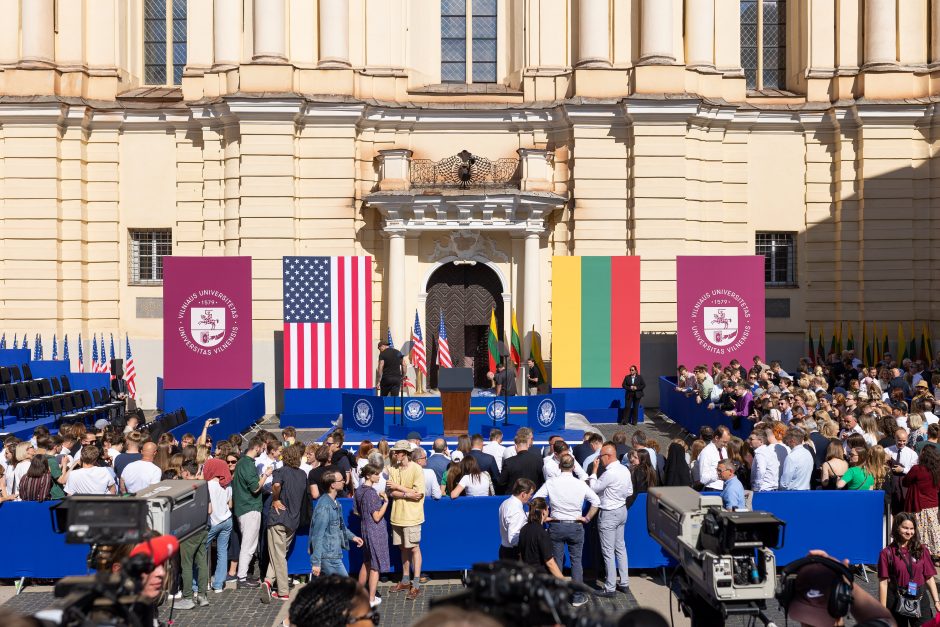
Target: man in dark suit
[591, 445]
[633, 385]
[486, 461]
[820, 447]
[525, 464]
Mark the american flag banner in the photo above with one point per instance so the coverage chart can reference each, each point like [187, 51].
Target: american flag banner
[328, 322]
[391, 342]
[65, 351]
[81, 355]
[105, 364]
[25, 342]
[95, 366]
[130, 373]
[14, 342]
[37, 348]
[55, 348]
[112, 356]
[3, 342]
[418, 354]
[443, 349]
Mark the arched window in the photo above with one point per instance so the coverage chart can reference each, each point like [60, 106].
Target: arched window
[472, 21]
[764, 43]
[164, 41]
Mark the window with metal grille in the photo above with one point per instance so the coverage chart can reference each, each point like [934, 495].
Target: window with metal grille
[164, 41]
[147, 249]
[764, 43]
[779, 251]
[473, 21]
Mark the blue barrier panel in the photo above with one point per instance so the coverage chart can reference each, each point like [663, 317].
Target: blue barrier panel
[89, 380]
[36, 551]
[48, 368]
[457, 534]
[15, 356]
[198, 402]
[684, 411]
[237, 414]
[315, 409]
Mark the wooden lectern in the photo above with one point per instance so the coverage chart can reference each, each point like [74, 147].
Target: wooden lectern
[455, 385]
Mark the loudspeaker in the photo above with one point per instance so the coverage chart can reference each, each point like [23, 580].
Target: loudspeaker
[455, 379]
[117, 368]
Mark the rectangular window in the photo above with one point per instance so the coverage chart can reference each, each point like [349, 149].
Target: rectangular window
[147, 249]
[779, 251]
[475, 19]
[164, 41]
[764, 43]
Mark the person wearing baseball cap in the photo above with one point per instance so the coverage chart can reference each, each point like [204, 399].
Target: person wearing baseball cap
[818, 591]
[406, 488]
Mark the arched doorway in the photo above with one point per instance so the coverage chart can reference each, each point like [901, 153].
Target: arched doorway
[466, 294]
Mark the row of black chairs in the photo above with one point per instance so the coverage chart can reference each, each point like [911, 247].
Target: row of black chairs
[14, 374]
[94, 405]
[53, 396]
[165, 422]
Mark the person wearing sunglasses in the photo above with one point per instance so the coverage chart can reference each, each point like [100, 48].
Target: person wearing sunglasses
[332, 601]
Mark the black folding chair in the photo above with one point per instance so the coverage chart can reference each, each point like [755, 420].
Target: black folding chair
[27, 372]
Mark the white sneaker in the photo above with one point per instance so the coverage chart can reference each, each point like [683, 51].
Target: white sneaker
[376, 603]
[178, 595]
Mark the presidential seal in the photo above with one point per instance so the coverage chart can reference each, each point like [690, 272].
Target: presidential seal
[547, 412]
[414, 411]
[362, 413]
[496, 410]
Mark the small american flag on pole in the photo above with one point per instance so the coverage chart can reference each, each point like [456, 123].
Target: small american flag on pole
[418, 355]
[328, 322]
[443, 349]
[95, 366]
[81, 355]
[130, 373]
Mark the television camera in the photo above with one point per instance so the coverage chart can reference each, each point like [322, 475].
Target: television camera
[726, 565]
[124, 531]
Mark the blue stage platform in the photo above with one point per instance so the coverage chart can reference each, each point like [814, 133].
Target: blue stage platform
[809, 518]
[237, 409]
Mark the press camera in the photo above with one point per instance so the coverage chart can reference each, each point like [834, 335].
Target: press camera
[107, 523]
[726, 565]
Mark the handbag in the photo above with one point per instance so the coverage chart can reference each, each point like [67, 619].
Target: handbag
[906, 605]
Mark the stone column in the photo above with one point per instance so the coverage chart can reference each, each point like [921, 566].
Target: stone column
[593, 34]
[101, 29]
[228, 32]
[334, 33]
[700, 33]
[269, 36]
[935, 31]
[38, 43]
[199, 44]
[531, 290]
[881, 33]
[656, 45]
[396, 285]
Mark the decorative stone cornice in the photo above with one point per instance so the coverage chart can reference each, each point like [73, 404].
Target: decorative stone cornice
[506, 210]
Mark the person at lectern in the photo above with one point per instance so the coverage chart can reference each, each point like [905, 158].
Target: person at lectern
[633, 385]
[390, 371]
[504, 380]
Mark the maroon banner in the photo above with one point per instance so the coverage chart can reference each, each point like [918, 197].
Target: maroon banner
[207, 323]
[719, 309]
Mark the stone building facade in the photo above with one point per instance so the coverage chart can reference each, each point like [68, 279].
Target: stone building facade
[801, 129]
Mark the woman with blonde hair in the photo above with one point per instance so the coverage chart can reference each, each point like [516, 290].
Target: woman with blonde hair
[918, 430]
[870, 430]
[834, 467]
[877, 465]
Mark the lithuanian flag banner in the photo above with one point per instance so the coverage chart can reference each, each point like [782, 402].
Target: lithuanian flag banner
[595, 320]
[492, 342]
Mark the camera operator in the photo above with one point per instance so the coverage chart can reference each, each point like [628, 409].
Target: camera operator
[819, 591]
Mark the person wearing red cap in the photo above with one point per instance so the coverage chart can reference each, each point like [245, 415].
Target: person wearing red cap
[219, 479]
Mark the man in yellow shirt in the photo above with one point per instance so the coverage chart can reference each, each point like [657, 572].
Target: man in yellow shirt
[405, 487]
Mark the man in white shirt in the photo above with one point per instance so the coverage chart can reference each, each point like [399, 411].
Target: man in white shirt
[143, 473]
[550, 466]
[420, 457]
[613, 487]
[512, 518]
[566, 496]
[798, 467]
[90, 478]
[900, 456]
[495, 447]
[710, 456]
[765, 471]
[270, 458]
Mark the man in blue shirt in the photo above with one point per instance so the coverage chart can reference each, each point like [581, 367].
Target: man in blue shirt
[732, 494]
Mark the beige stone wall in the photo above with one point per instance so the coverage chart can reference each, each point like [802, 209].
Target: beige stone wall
[275, 156]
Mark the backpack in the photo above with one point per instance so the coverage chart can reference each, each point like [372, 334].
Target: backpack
[306, 510]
